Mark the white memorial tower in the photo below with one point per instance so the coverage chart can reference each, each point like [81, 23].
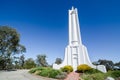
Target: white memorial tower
[76, 53]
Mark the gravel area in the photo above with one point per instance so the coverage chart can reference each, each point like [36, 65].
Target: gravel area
[20, 75]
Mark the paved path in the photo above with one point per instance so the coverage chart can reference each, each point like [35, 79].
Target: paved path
[20, 75]
[73, 76]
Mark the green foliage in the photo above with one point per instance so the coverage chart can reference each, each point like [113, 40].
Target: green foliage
[96, 76]
[46, 72]
[49, 72]
[33, 70]
[62, 75]
[37, 72]
[54, 73]
[114, 74]
[92, 71]
[83, 68]
[107, 63]
[117, 65]
[9, 46]
[58, 61]
[22, 60]
[101, 76]
[29, 63]
[41, 60]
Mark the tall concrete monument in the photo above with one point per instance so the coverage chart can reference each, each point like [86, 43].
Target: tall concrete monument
[76, 53]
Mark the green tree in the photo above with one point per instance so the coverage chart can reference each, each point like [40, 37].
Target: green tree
[2, 63]
[108, 63]
[41, 60]
[9, 45]
[22, 60]
[29, 63]
[17, 66]
[117, 66]
[58, 61]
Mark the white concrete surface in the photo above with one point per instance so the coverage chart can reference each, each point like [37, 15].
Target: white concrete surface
[76, 53]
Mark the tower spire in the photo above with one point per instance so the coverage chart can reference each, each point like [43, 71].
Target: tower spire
[74, 28]
[72, 7]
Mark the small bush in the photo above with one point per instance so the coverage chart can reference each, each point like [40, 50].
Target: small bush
[83, 68]
[53, 73]
[38, 72]
[33, 70]
[92, 71]
[45, 72]
[49, 72]
[115, 74]
[67, 68]
[96, 76]
[62, 75]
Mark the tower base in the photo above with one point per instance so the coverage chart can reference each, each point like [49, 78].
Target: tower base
[76, 55]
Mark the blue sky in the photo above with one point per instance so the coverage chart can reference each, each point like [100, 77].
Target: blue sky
[43, 26]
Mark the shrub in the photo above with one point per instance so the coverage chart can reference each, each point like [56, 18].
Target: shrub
[45, 72]
[38, 72]
[67, 68]
[33, 70]
[53, 73]
[96, 76]
[83, 68]
[62, 75]
[115, 74]
[92, 71]
[49, 72]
